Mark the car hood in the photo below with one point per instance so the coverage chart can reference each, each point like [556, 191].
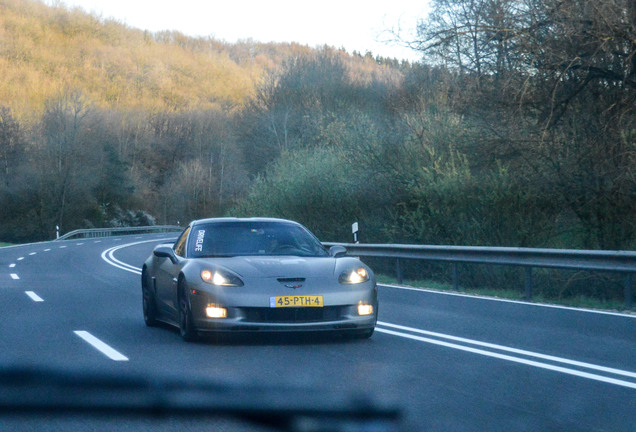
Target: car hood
[281, 266]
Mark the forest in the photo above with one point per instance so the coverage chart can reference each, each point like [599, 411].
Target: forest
[517, 128]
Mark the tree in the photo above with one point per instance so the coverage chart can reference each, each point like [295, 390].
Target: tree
[293, 105]
[11, 144]
[551, 87]
[65, 159]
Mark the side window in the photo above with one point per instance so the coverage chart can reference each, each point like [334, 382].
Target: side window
[180, 245]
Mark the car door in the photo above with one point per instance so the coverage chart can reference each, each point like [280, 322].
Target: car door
[167, 277]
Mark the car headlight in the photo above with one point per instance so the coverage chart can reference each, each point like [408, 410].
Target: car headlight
[220, 278]
[354, 276]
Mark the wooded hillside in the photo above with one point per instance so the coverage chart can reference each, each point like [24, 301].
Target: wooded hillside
[45, 51]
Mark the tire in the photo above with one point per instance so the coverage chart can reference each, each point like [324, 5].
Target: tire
[148, 301]
[186, 323]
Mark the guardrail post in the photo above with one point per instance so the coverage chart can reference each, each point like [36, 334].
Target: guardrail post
[398, 271]
[455, 277]
[628, 290]
[528, 283]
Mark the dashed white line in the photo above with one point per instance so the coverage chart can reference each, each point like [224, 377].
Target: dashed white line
[33, 253]
[34, 296]
[20, 259]
[11, 265]
[14, 276]
[62, 247]
[102, 347]
[47, 250]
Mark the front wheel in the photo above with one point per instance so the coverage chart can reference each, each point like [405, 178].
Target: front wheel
[186, 323]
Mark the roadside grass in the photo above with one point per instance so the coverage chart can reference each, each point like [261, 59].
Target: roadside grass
[2, 244]
[583, 302]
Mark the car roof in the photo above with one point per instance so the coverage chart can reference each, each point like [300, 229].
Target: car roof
[236, 219]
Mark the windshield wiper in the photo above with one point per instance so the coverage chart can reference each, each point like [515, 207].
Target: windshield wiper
[45, 392]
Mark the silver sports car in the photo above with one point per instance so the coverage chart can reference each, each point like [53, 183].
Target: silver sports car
[256, 274]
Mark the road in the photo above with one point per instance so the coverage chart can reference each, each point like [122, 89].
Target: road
[450, 362]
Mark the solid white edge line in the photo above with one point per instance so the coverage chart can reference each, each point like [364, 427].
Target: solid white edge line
[117, 263]
[108, 255]
[14, 276]
[513, 350]
[513, 359]
[474, 296]
[101, 346]
[34, 296]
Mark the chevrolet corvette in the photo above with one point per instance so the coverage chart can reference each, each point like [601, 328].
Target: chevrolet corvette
[256, 275]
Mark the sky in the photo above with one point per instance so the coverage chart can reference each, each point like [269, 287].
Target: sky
[351, 24]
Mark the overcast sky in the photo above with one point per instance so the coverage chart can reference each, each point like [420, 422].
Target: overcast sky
[352, 24]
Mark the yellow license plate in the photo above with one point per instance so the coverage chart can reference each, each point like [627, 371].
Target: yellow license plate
[295, 301]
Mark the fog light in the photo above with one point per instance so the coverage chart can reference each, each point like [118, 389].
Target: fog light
[216, 312]
[364, 309]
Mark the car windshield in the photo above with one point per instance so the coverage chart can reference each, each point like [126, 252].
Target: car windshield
[226, 239]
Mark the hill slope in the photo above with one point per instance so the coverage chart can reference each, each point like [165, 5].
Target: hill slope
[46, 50]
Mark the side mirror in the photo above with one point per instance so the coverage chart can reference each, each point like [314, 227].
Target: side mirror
[337, 251]
[165, 252]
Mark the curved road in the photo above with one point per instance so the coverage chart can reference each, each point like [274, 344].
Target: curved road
[451, 362]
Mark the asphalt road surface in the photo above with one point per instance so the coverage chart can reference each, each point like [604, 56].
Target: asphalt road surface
[448, 362]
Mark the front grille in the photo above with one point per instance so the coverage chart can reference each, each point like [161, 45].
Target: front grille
[283, 280]
[293, 315]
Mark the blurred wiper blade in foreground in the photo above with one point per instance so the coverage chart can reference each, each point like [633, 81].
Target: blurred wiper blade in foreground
[34, 391]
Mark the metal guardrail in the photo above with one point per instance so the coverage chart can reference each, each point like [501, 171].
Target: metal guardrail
[593, 260]
[109, 232]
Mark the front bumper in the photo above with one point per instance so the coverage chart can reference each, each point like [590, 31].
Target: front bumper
[254, 319]
[289, 319]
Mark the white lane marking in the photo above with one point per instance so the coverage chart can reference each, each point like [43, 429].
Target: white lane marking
[46, 250]
[20, 259]
[473, 296]
[34, 296]
[108, 256]
[510, 358]
[33, 253]
[11, 265]
[79, 244]
[97, 241]
[14, 276]
[62, 247]
[102, 347]
[513, 350]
